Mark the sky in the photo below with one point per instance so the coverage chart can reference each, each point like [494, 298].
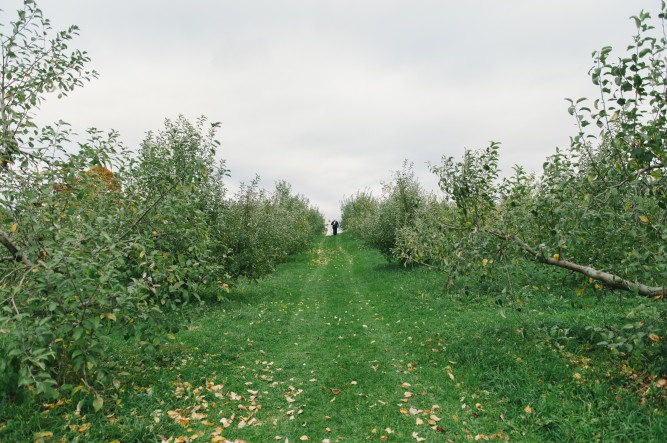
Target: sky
[333, 95]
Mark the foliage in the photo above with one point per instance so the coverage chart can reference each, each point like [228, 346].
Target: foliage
[356, 209]
[379, 222]
[101, 242]
[33, 64]
[262, 229]
[599, 209]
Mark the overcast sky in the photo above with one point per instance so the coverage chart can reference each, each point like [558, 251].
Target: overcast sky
[333, 95]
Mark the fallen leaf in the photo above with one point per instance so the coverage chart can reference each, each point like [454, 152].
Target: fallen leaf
[419, 421]
[528, 410]
[416, 436]
[406, 385]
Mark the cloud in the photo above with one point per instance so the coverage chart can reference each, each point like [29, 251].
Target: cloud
[333, 95]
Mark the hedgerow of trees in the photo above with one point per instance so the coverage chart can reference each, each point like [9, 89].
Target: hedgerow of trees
[598, 210]
[101, 240]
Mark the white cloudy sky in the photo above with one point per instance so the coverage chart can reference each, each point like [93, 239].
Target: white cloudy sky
[333, 95]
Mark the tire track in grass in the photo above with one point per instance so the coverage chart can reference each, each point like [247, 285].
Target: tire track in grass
[325, 348]
[346, 357]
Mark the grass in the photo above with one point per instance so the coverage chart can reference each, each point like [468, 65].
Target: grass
[339, 345]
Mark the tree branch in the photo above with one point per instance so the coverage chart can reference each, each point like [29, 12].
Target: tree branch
[611, 280]
[13, 249]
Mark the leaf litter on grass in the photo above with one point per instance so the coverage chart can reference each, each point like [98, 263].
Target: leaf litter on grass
[239, 375]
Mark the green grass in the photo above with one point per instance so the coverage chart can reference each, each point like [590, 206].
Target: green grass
[338, 344]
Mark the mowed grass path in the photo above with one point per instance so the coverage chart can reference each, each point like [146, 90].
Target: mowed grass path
[339, 345]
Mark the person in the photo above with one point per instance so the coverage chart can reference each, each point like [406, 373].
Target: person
[329, 228]
[334, 225]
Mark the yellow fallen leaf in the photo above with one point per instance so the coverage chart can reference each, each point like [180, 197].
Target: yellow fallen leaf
[644, 219]
[303, 438]
[654, 337]
[419, 421]
[528, 410]
[13, 228]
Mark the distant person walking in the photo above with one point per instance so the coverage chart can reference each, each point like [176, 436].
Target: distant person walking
[334, 225]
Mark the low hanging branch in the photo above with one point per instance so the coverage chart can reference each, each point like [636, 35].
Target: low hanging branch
[610, 280]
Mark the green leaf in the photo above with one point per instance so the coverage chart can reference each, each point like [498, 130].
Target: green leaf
[98, 402]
